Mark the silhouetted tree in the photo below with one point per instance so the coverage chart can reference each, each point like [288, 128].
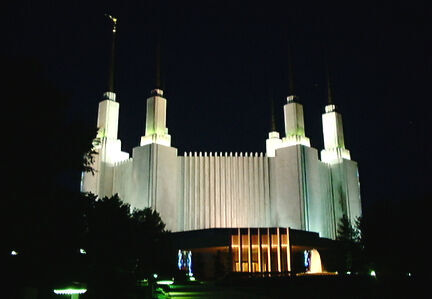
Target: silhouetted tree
[108, 243]
[45, 152]
[350, 245]
[150, 241]
[122, 246]
[346, 232]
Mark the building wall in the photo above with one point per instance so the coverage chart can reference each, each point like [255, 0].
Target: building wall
[287, 187]
[221, 190]
[199, 190]
[122, 180]
[150, 180]
[316, 178]
[346, 190]
[301, 190]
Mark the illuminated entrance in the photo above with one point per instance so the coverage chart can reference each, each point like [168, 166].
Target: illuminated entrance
[261, 250]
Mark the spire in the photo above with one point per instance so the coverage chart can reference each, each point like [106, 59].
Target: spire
[290, 72]
[158, 30]
[158, 82]
[158, 64]
[272, 112]
[334, 144]
[329, 87]
[112, 57]
[293, 112]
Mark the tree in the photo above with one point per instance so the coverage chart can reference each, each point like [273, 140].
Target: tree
[151, 243]
[346, 232]
[122, 246]
[350, 245]
[46, 154]
[107, 240]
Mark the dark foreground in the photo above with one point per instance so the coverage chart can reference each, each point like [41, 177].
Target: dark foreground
[233, 286]
[300, 287]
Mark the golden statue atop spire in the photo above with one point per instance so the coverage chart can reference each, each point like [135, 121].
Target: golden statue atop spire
[113, 20]
[112, 58]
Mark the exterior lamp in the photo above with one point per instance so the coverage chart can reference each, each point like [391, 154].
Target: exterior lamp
[73, 290]
[74, 293]
[165, 282]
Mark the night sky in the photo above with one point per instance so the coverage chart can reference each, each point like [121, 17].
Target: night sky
[222, 63]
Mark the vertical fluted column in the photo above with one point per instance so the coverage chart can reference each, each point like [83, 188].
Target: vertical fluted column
[228, 191]
[201, 191]
[267, 203]
[235, 194]
[196, 191]
[212, 191]
[241, 211]
[186, 212]
[262, 219]
[256, 195]
[206, 178]
[217, 190]
[222, 189]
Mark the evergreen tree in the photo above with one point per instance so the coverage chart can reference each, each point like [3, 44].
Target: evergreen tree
[122, 246]
[350, 245]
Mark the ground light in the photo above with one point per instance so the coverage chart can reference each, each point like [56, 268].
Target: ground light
[73, 292]
[164, 282]
[73, 289]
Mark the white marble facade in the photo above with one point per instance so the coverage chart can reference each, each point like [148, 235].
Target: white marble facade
[288, 186]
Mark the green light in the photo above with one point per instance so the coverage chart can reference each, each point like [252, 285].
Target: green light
[192, 278]
[373, 273]
[13, 252]
[82, 251]
[70, 291]
[165, 282]
[155, 275]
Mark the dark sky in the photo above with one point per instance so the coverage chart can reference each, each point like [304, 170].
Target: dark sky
[222, 62]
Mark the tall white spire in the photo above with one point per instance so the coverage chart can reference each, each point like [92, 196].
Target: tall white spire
[273, 142]
[108, 115]
[294, 124]
[156, 130]
[334, 144]
[106, 144]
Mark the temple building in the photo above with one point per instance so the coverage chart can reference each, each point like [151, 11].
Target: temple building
[260, 209]
[288, 186]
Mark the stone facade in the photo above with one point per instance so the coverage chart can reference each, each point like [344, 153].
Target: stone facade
[288, 186]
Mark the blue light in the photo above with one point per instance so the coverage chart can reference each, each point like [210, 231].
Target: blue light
[189, 263]
[180, 259]
[306, 256]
